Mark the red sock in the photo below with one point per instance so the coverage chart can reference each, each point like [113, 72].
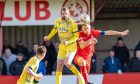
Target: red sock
[84, 73]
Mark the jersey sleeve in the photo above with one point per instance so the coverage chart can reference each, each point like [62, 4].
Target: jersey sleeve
[54, 30]
[97, 33]
[32, 63]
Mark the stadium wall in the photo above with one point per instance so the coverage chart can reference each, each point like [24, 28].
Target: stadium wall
[128, 78]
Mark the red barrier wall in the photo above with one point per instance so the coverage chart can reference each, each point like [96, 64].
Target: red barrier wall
[8, 79]
[128, 78]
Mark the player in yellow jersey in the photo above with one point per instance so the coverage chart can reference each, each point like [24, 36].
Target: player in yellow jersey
[68, 34]
[29, 71]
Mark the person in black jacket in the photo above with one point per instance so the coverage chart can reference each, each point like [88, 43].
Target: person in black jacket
[17, 66]
[122, 53]
[137, 48]
[3, 69]
[134, 65]
[51, 56]
[20, 48]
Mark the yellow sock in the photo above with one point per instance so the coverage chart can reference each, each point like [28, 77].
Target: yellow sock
[75, 71]
[58, 77]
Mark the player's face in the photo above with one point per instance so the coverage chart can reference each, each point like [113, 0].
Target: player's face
[65, 14]
[86, 28]
[43, 55]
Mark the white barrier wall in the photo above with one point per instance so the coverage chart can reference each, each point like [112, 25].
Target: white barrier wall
[70, 79]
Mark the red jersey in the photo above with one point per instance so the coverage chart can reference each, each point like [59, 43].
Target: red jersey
[88, 51]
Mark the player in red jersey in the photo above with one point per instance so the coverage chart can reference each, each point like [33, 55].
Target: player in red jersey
[85, 50]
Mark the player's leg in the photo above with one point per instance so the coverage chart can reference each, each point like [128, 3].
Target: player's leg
[88, 61]
[71, 50]
[82, 63]
[60, 63]
[71, 67]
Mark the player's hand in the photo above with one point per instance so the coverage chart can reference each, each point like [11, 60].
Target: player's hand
[65, 42]
[126, 32]
[93, 40]
[40, 75]
[45, 38]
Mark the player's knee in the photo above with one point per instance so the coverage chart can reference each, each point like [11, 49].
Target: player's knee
[60, 63]
[68, 64]
[82, 63]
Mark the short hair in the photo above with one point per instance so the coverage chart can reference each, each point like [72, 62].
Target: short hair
[119, 38]
[20, 54]
[64, 9]
[112, 50]
[41, 49]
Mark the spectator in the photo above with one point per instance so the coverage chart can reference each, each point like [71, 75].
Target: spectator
[134, 65]
[57, 46]
[7, 45]
[3, 69]
[8, 57]
[137, 48]
[111, 63]
[17, 66]
[122, 53]
[41, 68]
[33, 52]
[21, 49]
[51, 56]
[93, 63]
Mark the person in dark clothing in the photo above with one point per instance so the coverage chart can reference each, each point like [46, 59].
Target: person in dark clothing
[3, 69]
[111, 64]
[17, 66]
[137, 48]
[21, 49]
[122, 53]
[7, 45]
[33, 52]
[51, 56]
[134, 65]
[93, 63]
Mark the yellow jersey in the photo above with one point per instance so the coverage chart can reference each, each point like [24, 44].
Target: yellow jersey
[67, 30]
[26, 78]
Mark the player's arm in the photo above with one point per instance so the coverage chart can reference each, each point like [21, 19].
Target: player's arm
[111, 32]
[53, 32]
[84, 44]
[32, 73]
[75, 33]
[32, 64]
